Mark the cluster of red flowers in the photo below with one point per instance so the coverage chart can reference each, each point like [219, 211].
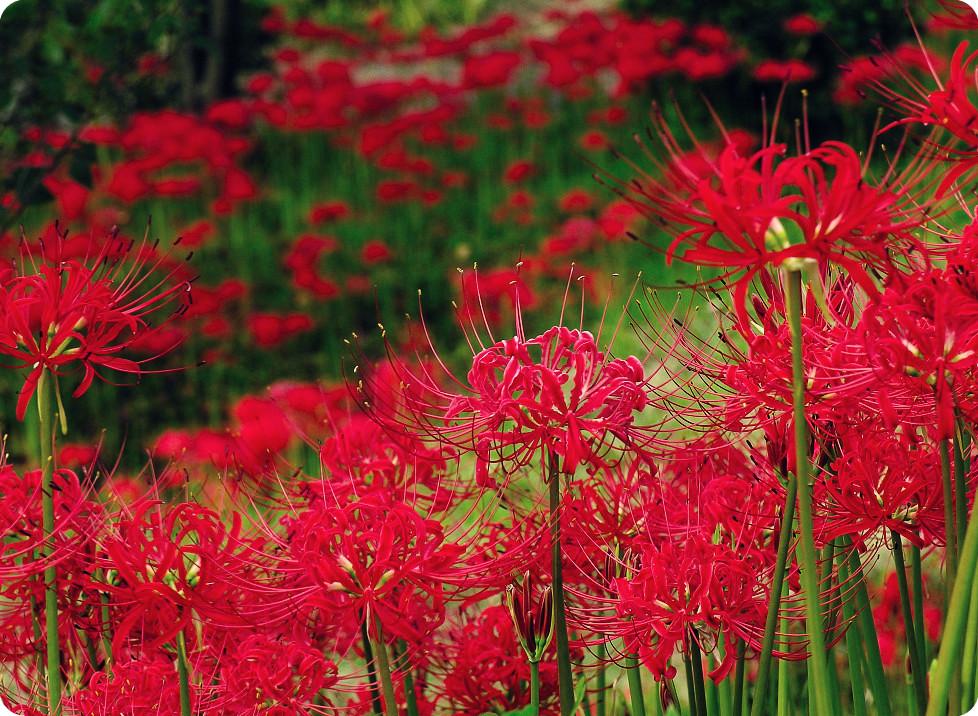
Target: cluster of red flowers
[574, 500]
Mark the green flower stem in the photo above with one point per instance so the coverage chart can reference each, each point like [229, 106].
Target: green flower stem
[565, 678]
[535, 687]
[738, 698]
[955, 624]
[950, 530]
[633, 671]
[602, 681]
[183, 674]
[917, 668]
[410, 697]
[368, 654]
[821, 688]
[384, 670]
[690, 688]
[853, 647]
[784, 687]
[696, 659]
[834, 605]
[917, 579]
[962, 466]
[725, 689]
[969, 663]
[104, 628]
[46, 435]
[774, 601]
[869, 638]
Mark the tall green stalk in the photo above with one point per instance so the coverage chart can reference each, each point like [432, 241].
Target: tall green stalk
[950, 530]
[410, 697]
[774, 601]
[183, 675]
[868, 637]
[694, 708]
[602, 679]
[384, 671]
[368, 654]
[917, 580]
[969, 662]
[853, 647]
[806, 548]
[962, 466]
[955, 624]
[634, 674]
[53, 646]
[565, 678]
[738, 698]
[696, 661]
[535, 688]
[919, 675]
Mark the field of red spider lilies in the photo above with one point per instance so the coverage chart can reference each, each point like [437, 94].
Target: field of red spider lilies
[564, 362]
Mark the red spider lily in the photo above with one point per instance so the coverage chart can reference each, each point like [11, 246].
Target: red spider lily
[688, 589]
[742, 382]
[371, 557]
[166, 565]
[915, 331]
[58, 313]
[361, 455]
[270, 329]
[138, 687]
[78, 523]
[262, 674]
[944, 101]
[557, 392]
[881, 481]
[566, 401]
[802, 24]
[752, 211]
[784, 71]
[481, 669]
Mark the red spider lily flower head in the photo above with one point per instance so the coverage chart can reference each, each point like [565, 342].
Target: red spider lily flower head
[372, 557]
[556, 394]
[271, 329]
[752, 211]
[79, 519]
[881, 480]
[688, 589]
[784, 71]
[361, 454]
[956, 15]
[264, 674]
[915, 331]
[479, 662]
[166, 566]
[802, 24]
[742, 381]
[943, 101]
[57, 313]
[135, 687]
[533, 616]
[518, 171]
